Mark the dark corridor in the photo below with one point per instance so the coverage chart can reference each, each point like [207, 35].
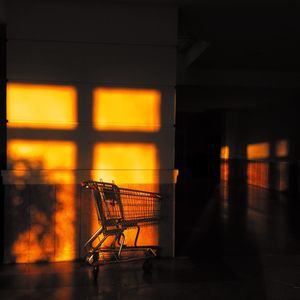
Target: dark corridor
[198, 142]
[2, 126]
[217, 218]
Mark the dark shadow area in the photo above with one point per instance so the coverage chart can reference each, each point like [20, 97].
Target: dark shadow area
[198, 143]
[2, 128]
[29, 214]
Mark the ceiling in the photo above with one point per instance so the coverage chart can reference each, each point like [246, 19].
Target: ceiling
[232, 54]
[241, 36]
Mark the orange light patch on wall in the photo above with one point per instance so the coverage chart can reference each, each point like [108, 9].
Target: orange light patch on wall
[282, 149]
[65, 223]
[224, 167]
[133, 163]
[36, 157]
[129, 164]
[119, 109]
[36, 243]
[224, 154]
[56, 156]
[41, 106]
[258, 151]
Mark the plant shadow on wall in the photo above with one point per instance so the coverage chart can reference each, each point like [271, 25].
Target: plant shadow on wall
[32, 227]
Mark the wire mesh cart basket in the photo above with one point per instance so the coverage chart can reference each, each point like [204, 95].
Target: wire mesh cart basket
[119, 209]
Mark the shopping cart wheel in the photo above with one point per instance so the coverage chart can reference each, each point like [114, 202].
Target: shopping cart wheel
[92, 258]
[147, 265]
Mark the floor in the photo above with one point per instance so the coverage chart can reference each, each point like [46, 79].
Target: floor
[258, 258]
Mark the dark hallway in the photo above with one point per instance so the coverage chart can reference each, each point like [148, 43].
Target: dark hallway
[197, 157]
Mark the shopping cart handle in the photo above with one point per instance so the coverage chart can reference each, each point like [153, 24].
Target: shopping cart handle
[87, 184]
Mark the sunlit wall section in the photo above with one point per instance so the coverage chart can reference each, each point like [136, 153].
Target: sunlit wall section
[41, 106]
[132, 111]
[42, 161]
[126, 163]
[258, 151]
[224, 167]
[121, 109]
[131, 163]
[40, 173]
[103, 85]
[282, 148]
[52, 219]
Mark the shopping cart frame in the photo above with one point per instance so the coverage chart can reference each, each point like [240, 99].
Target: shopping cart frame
[119, 209]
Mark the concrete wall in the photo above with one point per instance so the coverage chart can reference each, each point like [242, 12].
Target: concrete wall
[85, 47]
[2, 10]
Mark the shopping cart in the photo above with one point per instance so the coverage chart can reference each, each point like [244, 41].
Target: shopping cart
[119, 209]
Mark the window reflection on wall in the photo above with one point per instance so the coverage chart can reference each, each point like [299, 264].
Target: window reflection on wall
[268, 170]
[258, 151]
[258, 170]
[41, 106]
[120, 109]
[49, 233]
[224, 155]
[134, 163]
[35, 111]
[130, 163]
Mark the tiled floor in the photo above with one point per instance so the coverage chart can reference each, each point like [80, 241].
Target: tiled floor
[260, 259]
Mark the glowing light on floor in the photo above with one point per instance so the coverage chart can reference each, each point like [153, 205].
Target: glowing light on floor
[224, 172]
[126, 109]
[41, 106]
[258, 174]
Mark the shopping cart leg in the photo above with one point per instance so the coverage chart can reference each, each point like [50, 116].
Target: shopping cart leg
[137, 235]
[122, 236]
[93, 237]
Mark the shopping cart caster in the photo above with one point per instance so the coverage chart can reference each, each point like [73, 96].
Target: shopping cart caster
[92, 259]
[147, 265]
